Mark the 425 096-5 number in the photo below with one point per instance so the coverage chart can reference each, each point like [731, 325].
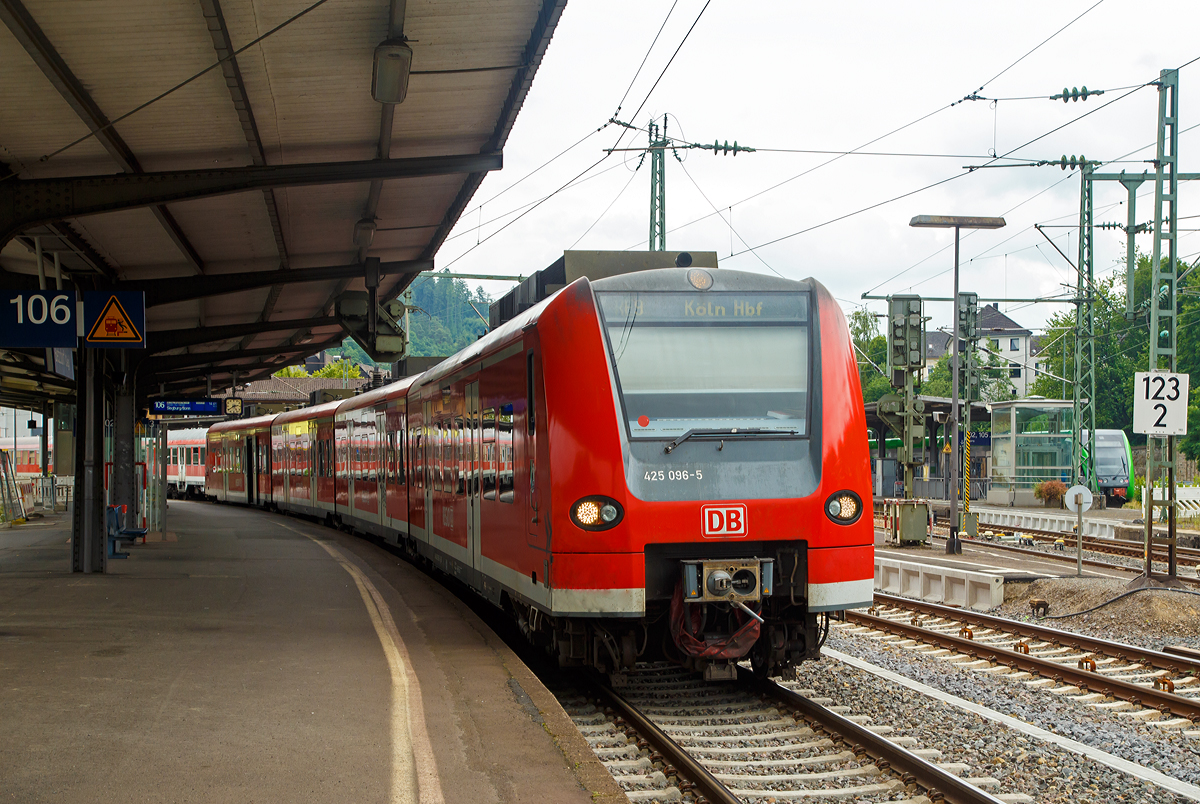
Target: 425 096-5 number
[655, 475]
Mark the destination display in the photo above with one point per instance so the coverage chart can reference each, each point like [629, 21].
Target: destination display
[186, 407]
[712, 307]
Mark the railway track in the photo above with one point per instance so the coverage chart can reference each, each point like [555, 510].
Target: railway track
[1067, 555]
[1160, 688]
[668, 736]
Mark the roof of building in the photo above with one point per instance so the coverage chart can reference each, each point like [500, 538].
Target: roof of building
[937, 343]
[291, 389]
[993, 323]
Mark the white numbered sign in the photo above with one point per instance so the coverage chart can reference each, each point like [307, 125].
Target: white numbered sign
[1160, 402]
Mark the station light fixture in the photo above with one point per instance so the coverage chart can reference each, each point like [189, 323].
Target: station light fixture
[364, 233]
[389, 77]
[957, 223]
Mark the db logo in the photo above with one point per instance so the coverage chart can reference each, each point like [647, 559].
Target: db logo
[723, 521]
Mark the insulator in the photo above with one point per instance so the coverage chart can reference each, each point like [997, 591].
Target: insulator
[1066, 94]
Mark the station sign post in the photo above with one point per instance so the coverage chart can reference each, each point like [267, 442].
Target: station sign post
[1160, 400]
[38, 318]
[186, 407]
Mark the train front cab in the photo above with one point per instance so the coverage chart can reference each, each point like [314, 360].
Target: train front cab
[702, 425]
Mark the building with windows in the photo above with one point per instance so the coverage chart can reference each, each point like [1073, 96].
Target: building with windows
[1008, 340]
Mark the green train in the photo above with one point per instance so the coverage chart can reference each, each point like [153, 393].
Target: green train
[1114, 463]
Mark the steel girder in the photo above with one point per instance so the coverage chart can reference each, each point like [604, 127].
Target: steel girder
[169, 339]
[177, 289]
[27, 202]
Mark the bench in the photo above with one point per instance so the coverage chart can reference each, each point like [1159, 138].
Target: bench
[118, 534]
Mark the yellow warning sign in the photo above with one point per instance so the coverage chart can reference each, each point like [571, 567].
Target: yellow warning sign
[114, 325]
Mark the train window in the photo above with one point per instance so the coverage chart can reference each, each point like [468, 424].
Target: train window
[195, 456]
[755, 367]
[174, 454]
[401, 464]
[416, 454]
[504, 453]
[529, 410]
[435, 455]
[202, 455]
[460, 457]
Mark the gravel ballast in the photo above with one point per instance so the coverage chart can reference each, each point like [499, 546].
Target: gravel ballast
[1044, 771]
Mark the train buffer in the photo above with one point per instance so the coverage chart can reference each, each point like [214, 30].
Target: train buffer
[118, 534]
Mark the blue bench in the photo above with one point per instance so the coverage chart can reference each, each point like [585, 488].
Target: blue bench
[118, 534]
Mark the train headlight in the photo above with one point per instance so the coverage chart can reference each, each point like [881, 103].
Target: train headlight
[587, 512]
[596, 513]
[843, 507]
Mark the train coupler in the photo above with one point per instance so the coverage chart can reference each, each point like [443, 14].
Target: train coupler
[736, 581]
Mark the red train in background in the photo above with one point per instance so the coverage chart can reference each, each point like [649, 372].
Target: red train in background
[662, 463]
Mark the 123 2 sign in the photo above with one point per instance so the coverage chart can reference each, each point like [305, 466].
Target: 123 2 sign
[1160, 401]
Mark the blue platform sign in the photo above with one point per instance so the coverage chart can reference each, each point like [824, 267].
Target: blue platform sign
[31, 318]
[114, 319]
[185, 407]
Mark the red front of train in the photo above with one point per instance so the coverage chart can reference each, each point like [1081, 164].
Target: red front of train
[707, 463]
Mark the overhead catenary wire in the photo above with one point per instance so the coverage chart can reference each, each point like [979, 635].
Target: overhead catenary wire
[930, 186]
[590, 167]
[728, 223]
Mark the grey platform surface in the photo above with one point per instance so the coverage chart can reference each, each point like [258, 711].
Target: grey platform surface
[241, 662]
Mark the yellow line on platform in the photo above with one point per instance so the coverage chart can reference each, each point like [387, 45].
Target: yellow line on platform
[414, 770]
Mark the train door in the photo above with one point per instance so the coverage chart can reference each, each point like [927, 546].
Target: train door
[249, 463]
[427, 425]
[536, 528]
[383, 464]
[474, 471]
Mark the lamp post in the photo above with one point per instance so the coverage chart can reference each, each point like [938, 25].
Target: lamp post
[957, 223]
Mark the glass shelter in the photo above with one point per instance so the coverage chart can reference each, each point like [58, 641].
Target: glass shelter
[1031, 443]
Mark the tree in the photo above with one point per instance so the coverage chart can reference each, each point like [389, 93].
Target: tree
[339, 368]
[871, 352]
[291, 371]
[1120, 351]
[449, 316]
[994, 381]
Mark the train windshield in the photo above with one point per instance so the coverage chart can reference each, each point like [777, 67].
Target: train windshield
[719, 360]
[1110, 454]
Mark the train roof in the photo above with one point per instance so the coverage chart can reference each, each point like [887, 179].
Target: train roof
[306, 414]
[395, 390]
[242, 424]
[666, 279]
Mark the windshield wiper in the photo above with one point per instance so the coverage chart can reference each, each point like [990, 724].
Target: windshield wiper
[728, 432]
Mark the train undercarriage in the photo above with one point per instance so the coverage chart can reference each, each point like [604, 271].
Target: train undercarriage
[721, 611]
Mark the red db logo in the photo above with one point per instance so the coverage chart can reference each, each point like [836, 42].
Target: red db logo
[723, 521]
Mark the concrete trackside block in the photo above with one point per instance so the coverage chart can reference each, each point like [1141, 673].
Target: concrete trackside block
[975, 590]
[1036, 520]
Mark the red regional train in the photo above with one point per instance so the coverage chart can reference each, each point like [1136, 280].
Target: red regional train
[662, 463]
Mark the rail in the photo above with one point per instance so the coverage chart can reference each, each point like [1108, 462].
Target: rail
[938, 783]
[704, 782]
[1096, 682]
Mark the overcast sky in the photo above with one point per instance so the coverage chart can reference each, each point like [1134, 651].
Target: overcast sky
[836, 76]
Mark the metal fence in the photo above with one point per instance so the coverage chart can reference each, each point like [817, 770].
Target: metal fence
[52, 492]
[938, 488]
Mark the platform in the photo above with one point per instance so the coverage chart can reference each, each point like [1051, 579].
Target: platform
[253, 657]
[982, 557]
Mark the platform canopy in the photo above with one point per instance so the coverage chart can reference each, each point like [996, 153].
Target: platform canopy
[244, 201]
